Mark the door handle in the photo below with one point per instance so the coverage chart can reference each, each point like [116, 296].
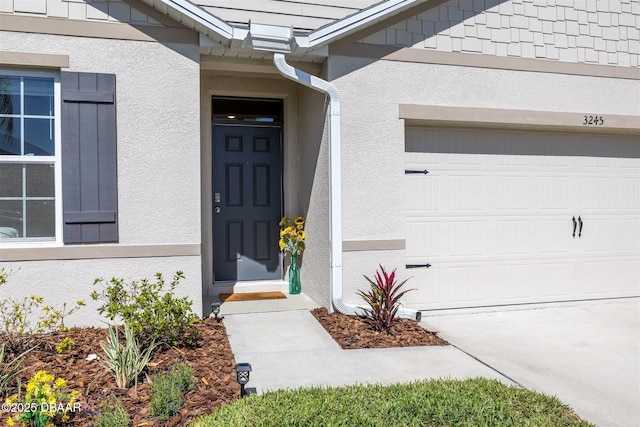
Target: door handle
[574, 225]
[217, 210]
[580, 228]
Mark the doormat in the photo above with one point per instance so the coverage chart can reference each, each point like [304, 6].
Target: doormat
[251, 296]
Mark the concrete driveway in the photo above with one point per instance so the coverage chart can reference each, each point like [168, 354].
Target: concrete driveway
[587, 354]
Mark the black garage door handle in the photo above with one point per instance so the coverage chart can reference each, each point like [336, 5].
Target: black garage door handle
[580, 229]
[574, 225]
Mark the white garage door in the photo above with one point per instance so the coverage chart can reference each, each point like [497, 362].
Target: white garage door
[494, 217]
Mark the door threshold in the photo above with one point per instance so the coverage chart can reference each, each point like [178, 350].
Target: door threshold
[229, 287]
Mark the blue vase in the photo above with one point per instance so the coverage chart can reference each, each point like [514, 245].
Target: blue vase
[294, 275]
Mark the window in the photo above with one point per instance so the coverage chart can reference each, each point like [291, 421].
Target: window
[29, 157]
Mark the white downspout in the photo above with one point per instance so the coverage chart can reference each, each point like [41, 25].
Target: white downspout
[335, 191]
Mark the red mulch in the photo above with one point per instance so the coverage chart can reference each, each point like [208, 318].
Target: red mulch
[353, 332]
[211, 358]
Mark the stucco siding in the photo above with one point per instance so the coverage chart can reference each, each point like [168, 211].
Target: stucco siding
[158, 163]
[604, 32]
[158, 137]
[68, 281]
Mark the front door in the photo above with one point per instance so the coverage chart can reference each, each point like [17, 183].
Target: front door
[247, 194]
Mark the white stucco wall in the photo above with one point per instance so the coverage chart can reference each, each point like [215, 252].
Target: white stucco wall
[373, 135]
[61, 281]
[158, 113]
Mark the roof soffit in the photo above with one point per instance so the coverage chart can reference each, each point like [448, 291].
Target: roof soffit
[230, 36]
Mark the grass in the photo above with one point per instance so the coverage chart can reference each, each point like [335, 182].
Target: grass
[473, 403]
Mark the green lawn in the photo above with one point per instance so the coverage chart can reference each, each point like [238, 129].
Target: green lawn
[475, 402]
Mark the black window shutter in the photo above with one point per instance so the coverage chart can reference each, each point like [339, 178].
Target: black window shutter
[89, 169]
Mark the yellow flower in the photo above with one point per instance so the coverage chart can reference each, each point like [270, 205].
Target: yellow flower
[282, 245]
[283, 221]
[60, 382]
[299, 220]
[301, 235]
[10, 422]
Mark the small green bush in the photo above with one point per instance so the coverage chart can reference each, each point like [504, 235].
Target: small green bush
[17, 323]
[112, 414]
[150, 309]
[125, 361]
[168, 389]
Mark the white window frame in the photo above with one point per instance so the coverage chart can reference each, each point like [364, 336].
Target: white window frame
[56, 159]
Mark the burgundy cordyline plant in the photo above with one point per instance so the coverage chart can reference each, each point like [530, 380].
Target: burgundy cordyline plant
[383, 299]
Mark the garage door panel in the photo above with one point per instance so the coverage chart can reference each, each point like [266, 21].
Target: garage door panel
[553, 193]
[515, 192]
[551, 236]
[501, 204]
[464, 192]
[514, 237]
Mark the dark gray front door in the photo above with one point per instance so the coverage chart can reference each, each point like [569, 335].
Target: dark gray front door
[246, 202]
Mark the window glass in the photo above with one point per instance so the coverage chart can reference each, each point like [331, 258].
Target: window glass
[40, 180]
[9, 95]
[11, 218]
[27, 158]
[38, 97]
[40, 218]
[10, 180]
[38, 137]
[10, 140]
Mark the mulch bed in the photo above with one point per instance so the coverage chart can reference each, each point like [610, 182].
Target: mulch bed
[353, 332]
[211, 359]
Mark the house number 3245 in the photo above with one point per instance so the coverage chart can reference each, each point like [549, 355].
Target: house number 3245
[593, 120]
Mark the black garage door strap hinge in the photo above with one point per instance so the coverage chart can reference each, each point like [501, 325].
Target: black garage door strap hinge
[418, 265]
[409, 172]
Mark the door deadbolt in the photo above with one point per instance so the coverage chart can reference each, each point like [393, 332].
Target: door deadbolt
[217, 210]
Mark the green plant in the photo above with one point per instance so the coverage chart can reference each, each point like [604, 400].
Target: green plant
[65, 345]
[471, 402]
[47, 402]
[9, 370]
[125, 361]
[383, 299]
[150, 309]
[112, 414]
[168, 389]
[17, 322]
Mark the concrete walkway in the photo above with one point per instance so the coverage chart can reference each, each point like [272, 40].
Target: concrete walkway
[587, 354]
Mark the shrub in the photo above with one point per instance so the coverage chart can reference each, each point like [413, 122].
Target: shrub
[16, 318]
[383, 299]
[64, 345]
[48, 401]
[112, 414]
[9, 370]
[168, 389]
[125, 361]
[150, 309]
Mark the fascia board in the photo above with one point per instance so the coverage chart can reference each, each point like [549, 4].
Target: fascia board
[201, 17]
[355, 22]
